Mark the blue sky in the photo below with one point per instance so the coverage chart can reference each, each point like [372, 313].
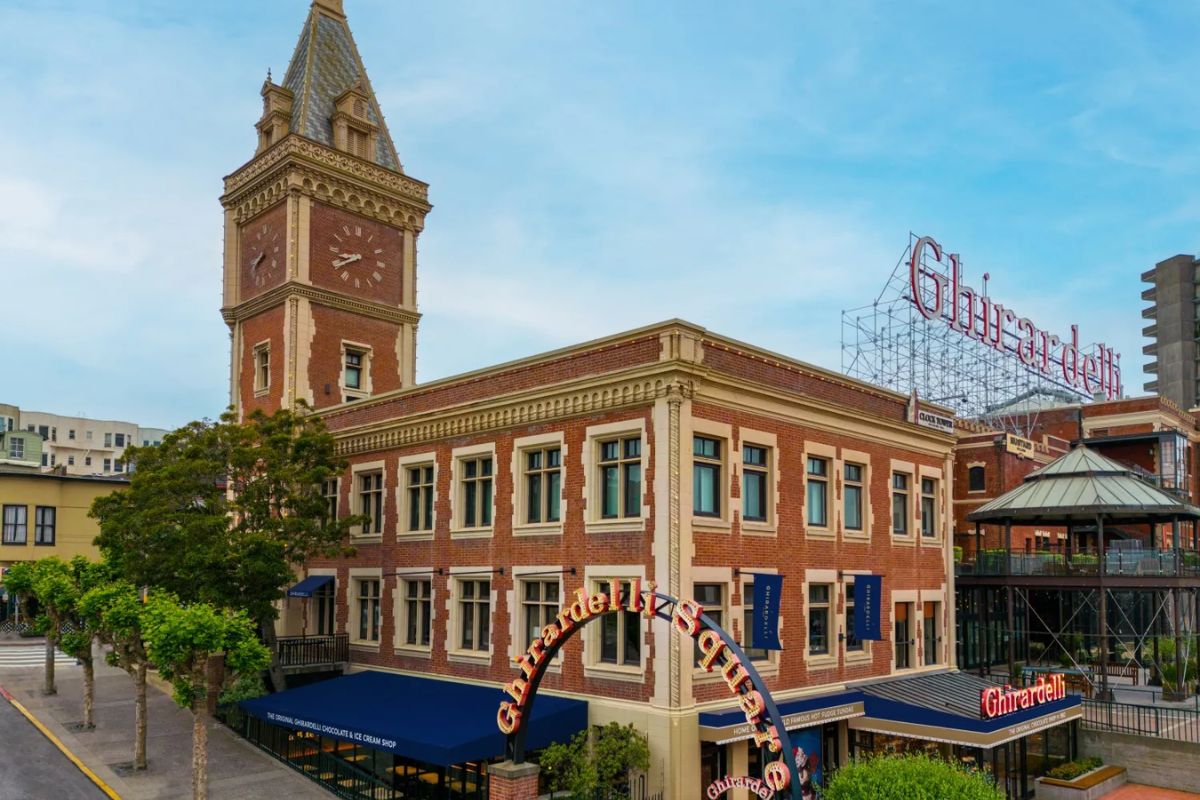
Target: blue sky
[595, 167]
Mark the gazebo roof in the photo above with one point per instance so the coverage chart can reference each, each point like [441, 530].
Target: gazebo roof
[1083, 486]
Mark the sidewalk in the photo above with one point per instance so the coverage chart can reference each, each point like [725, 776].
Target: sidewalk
[236, 769]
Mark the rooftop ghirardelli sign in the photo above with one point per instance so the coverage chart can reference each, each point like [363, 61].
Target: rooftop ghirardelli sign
[941, 295]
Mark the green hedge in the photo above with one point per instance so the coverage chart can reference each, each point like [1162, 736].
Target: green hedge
[910, 777]
[1073, 769]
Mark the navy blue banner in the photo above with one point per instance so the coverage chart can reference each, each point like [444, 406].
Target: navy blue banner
[868, 603]
[767, 589]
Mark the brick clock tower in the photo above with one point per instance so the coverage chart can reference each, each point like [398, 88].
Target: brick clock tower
[321, 230]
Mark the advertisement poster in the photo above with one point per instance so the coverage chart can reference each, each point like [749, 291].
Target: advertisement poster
[806, 743]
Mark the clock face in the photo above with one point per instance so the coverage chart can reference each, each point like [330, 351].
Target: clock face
[265, 252]
[358, 257]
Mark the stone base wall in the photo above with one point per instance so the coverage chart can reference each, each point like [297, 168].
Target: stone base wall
[1154, 762]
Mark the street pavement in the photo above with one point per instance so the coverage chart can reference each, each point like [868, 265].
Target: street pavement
[31, 768]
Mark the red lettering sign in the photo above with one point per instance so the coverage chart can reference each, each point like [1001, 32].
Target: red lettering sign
[996, 701]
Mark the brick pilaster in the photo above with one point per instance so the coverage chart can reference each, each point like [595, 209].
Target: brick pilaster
[509, 781]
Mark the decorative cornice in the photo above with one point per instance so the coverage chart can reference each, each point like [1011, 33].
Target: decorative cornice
[319, 296]
[357, 175]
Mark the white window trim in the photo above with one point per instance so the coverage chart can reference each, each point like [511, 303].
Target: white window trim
[453, 652]
[356, 533]
[939, 500]
[515, 600]
[364, 573]
[863, 459]
[833, 509]
[723, 433]
[770, 665]
[259, 347]
[867, 654]
[368, 358]
[723, 576]
[770, 441]
[828, 577]
[593, 667]
[914, 503]
[912, 596]
[403, 464]
[522, 445]
[457, 456]
[593, 522]
[400, 618]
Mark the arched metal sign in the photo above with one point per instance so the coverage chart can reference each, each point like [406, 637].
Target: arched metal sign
[718, 652]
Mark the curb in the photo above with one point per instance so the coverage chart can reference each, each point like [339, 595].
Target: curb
[104, 787]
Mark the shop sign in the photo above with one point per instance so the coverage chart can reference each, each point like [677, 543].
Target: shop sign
[1018, 445]
[722, 785]
[976, 316]
[996, 701]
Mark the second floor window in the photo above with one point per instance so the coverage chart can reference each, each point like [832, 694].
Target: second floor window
[818, 492]
[818, 618]
[928, 508]
[853, 643]
[44, 524]
[899, 504]
[543, 484]
[352, 373]
[976, 479]
[417, 609]
[752, 652]
[420, 498]
[538, 605]
[620, 632]
[621, 477]
[108, 439]
[368, 610]
[712, 597]
[754, 483]
[477, 492]
[370, 501]
[329, 490]
[706, 476]
[16, 447]
[852, 494]
[16, 523]
[474, 615]
[262, 367]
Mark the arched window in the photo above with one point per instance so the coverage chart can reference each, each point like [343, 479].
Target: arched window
[975, 479]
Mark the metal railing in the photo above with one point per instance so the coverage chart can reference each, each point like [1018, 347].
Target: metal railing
[303, 651]
[1162, 722]
[1125, 562]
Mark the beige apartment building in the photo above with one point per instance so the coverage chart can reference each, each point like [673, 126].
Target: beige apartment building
[80, 445]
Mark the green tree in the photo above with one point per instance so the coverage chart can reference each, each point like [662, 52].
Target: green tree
[601, 758]
[912, 777]
[223, 512]
[21, 580]
[181, 639]
[59, 587]
[116, 612]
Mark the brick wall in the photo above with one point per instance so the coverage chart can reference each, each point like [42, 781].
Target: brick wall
[266, 326]
[333, 327]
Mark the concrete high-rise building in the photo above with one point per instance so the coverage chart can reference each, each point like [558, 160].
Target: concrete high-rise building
[1174, 328]
[79, 445]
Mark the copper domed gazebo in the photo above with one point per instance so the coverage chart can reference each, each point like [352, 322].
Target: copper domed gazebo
[1114, 540]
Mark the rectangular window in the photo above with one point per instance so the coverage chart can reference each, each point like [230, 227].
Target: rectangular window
[620, 631]
[932, 616]
[368, 610]
[370, 501]
[852, 495]
[543, 484]
[418, 605]
[87, 435]
[819, 612]
[539, 603]
[329, 490]
[87, 461]
[712, 597]
[474, 614]
[45, 459]
[818, 492]
[43, 524]
[976, 479]
[754, 483]
[928, 508]
[119, 439]
[108, 440]
[899, 504]
[752, 652]
[44, 431]
[118, 466]
[352, 373]
[420, 497]
[15, 524]
[620, 467]
[16, 447]
[476, 492]
[706, 476]
[71, 433]
[853, 643]
[903, 634]
[71, 461]
[262, 367]
[108, 465]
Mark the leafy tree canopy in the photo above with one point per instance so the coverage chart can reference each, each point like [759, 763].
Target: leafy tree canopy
[598, 759]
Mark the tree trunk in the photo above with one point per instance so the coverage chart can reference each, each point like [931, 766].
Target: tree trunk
[89, 692]
[199, 749]
[139, 717]
[48, 687]
[266, 629]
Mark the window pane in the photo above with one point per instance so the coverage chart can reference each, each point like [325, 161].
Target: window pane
[853, 472]
[608, 638]
[816, 503]
[754, 505]
[853, 507]
[533, 511]
[633, 638]
[469, 504]
[485, 513]
[633, 490]
[553, 491]
[633, 448]
[704, 489]
[609, 492]
[428, 508]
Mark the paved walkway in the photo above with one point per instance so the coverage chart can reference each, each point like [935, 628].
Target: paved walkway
[30, 766]
[236, 769]
[1135, 791]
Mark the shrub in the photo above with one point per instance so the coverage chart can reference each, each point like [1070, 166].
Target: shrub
[911, 777]
[1073, 769]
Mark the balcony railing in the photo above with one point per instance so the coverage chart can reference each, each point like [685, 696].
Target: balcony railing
[306, 651]
[1085, 563]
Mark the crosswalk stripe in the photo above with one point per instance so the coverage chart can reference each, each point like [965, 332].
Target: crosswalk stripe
[31, 656]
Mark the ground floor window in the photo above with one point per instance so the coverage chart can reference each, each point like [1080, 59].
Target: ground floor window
[714, 762]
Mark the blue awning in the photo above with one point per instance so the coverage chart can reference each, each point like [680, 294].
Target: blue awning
[731, 726]
[306, 587]
[436, 721]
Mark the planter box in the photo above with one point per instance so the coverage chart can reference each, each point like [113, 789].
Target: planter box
[1088, 786]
